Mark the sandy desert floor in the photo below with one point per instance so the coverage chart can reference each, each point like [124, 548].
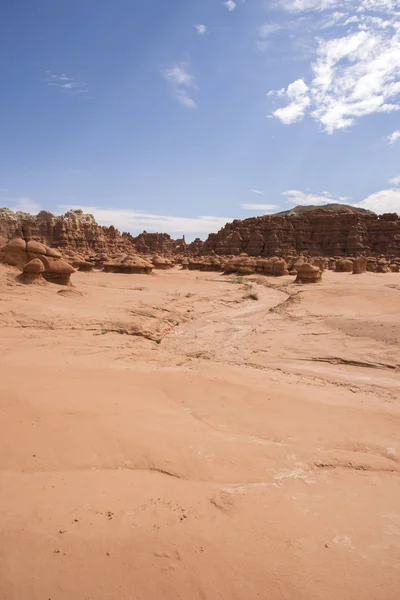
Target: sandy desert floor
[166, 437]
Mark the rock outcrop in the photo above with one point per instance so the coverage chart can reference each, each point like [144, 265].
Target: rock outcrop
[308, 273]
[329, 231]
[79, 232]
[343, 232]
[129, 265]
[36, 259]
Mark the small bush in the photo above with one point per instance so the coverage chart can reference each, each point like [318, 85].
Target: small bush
[237, 280]
[252, 296]
[158, 341]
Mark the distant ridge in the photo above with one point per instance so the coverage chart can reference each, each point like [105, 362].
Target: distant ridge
[300, 210]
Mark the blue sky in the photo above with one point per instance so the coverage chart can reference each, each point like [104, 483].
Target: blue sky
[178, 115]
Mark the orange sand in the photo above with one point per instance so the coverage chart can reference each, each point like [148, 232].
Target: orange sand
[165, 437]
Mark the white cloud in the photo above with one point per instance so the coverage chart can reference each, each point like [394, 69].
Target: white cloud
[307, 5]
[230, 4]
[137, 221]
[180, 79]
[310, 199]
[356, 66]
[393, 137]
[395, 180]
[264, 32]
[260, 207]
[257, 192]
[297, 93]
[67, 83]
[201, 29]
[23, 204]
[384, 201]
[379, 202]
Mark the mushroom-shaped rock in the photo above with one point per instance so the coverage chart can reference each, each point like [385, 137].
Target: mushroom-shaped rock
[32, 271]
[33, 266]
[359, 265]
[308, 274]
[56, 270]
[247, 266]
[185, 264]
[14, 253]
[85, 266]
[134, 265]
[16, 243]
[279, 268]
[382, 266]
[298, 263]
[344, 265]
[34, 247]
[52, 252]
[159, 262]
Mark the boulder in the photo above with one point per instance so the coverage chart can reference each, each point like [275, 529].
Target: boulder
[344, 265]
[159, 262]
[32, 271]
[34, 247]
[279, 268]
[308, 273]
[129, 266]
[382, 266]
[371, 264]
[56, 270]
[359, 265]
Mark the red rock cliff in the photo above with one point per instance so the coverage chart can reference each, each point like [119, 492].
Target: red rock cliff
[318, 232]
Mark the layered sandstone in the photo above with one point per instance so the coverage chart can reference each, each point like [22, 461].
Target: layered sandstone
[316, 232]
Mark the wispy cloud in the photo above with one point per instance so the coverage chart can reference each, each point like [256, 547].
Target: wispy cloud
[298, 197]
[137, 221]
[230, 5]
[201, 29]
[181, 81]
[22, 204]
[264, 32]
[395, 180]
[356, 63]
[259, 192]
[393, 137]
[260, 207]
[65, 82]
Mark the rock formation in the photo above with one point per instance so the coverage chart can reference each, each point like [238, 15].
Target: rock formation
[79, 232]
[329, 231]
[323, 231]
[129, 265]
[359, 265]
[308, 273]
[27, 254]
[32, 271]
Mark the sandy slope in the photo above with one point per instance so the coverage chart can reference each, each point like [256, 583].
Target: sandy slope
[165, 437]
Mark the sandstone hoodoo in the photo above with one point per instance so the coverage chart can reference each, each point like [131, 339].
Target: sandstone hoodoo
[359, 265]
[129, 265]
[32, 271]
[159, 262]
[308, 273]
[26, 254]
[78, 231]
[332, 230]
[344, 266]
